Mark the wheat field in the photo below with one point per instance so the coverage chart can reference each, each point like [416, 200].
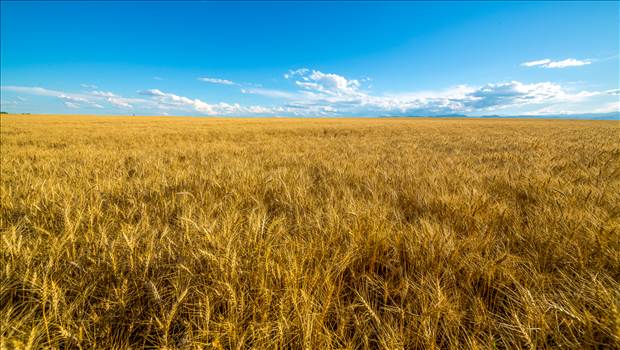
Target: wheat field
[200, 233]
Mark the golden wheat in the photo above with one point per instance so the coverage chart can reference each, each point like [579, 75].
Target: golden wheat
[309, 233]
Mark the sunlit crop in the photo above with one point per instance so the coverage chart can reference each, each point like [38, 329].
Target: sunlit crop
[185, 233]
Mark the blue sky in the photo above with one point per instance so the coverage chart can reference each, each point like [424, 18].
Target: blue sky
[310, 59]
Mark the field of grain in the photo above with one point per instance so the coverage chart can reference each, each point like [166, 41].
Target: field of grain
[186, 233]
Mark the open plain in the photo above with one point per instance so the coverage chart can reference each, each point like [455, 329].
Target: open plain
[392, 233]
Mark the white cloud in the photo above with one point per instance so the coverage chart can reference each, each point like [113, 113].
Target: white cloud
[151, 92]
[328, 83]
[217, 81]
[78, 100]
[32, 90]
[102, 93]
[168, 100]
[271, 93]
[609, 107]
[299, 71]
[515, 93]
[88, 86]
[330, 93]
[547, 63]
[172, 100]
[571, 62]
[119, 101]
[71, 100]
[536, 63]
[317, 93]
[158, 78]
[116, 100]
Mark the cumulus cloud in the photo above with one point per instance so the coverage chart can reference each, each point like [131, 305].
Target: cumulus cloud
[516, 93]
[497, 96]
[547, 63]
[317, 93]
[327, 83]
[333, 94]
[217, 81]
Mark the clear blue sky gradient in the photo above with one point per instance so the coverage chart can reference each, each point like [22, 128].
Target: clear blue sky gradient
[367, 58]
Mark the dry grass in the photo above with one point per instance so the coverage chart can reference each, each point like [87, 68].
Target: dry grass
[309, 234]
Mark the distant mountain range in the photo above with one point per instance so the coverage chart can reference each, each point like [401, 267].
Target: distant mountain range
[588, 116]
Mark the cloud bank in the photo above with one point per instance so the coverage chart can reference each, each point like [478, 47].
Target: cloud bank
[316, 93]
[329, 93]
